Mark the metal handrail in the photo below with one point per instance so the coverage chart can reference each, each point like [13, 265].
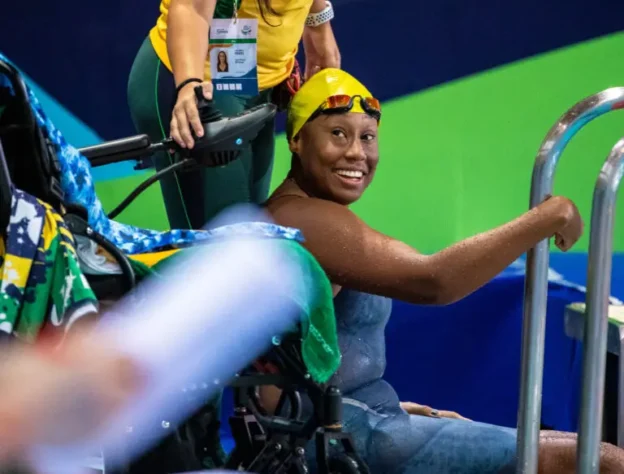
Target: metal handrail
[597, 310]
[536, 284]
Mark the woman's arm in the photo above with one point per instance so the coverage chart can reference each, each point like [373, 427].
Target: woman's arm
[319, 43]
[188, 25]
[358, 257]
[187, 37]
[318, 6]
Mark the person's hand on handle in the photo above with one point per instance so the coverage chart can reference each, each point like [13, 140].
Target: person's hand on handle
[188, 26]
[185, 116]
[572, 228]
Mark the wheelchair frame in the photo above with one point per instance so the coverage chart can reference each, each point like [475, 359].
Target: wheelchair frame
[283, 450]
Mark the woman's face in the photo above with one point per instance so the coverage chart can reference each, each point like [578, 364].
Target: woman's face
[221, 57]
[339, 155]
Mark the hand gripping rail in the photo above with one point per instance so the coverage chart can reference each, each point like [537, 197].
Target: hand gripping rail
[536, 285]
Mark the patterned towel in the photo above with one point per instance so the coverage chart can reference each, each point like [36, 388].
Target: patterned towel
[42, 287]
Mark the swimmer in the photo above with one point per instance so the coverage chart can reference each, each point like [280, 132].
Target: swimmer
[333, 135]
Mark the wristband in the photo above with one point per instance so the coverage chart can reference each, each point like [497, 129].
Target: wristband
[325, 15]
[187, 81]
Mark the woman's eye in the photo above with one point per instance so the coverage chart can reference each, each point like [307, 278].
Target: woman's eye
[338, 133]
[368, 137]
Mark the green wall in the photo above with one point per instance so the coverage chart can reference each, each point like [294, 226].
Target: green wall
[457, 159]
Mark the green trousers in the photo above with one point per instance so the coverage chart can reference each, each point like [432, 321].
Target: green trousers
[192, 198]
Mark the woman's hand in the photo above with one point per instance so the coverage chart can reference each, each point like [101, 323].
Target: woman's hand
[572, 228]
[188, 26]
[185, 115]
[423, 410]
[321, 49]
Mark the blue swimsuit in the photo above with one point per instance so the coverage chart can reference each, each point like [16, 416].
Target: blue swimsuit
[390, 440]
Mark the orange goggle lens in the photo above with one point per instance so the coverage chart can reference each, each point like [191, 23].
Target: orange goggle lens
[343, 101]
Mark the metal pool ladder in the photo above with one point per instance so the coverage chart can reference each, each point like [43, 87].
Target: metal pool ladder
[597, 309]
[536, 284]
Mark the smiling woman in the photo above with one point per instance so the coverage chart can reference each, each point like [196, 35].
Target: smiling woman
[340, 159]
[332, 130]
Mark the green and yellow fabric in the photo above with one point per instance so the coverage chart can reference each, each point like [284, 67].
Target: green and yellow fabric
[42, 287]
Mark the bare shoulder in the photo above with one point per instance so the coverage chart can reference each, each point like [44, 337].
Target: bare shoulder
[306, 212]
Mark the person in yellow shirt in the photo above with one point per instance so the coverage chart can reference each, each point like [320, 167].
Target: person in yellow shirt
[175, 58]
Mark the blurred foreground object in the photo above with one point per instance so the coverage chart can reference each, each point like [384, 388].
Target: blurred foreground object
[225, 304]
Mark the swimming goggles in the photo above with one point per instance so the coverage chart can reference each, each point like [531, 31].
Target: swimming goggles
[342, 103]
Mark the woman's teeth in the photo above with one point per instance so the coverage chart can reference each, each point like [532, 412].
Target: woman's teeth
[350, 174]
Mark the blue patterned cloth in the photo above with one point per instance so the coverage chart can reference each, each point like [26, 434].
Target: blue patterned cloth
[78, 186]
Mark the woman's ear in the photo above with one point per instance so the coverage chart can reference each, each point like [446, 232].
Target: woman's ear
[294, 144]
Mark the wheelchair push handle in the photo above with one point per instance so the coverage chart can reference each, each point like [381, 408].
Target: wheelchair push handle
[224, 137]
[207, 111]
[201, 98]
[221, 144]
[199, 93]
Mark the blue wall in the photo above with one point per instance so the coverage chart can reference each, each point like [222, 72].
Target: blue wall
[81, 52]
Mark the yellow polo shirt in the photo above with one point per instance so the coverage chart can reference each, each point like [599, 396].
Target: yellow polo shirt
[277, 45]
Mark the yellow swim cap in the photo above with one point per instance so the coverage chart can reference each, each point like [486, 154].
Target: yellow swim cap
[316, 91]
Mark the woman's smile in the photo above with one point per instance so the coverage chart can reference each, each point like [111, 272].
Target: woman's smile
[350, 177]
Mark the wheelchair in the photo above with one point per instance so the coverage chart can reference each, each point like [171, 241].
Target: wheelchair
[264, 443]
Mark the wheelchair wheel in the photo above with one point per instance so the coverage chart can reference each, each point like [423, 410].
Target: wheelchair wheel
[344, 464]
